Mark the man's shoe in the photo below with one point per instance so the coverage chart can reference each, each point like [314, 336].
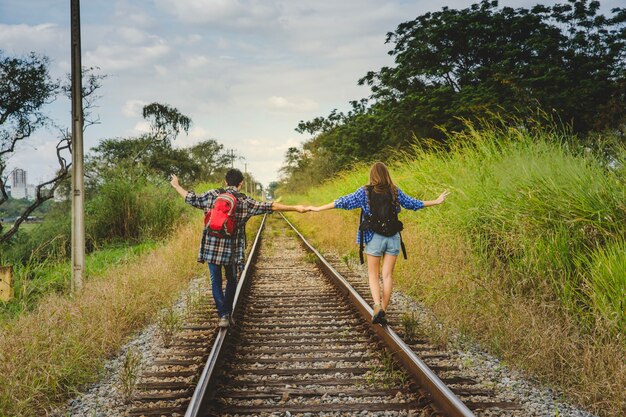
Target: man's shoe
[224, 322]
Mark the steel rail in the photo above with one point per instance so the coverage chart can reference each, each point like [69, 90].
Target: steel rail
[200, 398]
[444, 399]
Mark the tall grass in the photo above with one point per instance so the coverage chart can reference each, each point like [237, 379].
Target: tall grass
[527, 253]
[124, 218]
[34, 279]
[49, 353]
[132, 210]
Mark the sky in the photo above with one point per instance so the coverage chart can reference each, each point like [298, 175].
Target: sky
[245, 71]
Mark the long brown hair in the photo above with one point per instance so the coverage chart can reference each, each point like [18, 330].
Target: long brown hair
[381, 181]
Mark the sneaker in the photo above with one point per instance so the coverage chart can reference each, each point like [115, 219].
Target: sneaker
[376, 315]
[381, 318]
[224, 322]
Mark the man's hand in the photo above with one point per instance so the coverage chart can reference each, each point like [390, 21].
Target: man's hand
[174, 181]
[180, 190]
[301, 209]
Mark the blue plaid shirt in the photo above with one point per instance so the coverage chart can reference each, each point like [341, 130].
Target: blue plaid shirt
[358, 199]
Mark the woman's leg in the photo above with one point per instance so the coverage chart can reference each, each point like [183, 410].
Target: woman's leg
[389, 262]
[373, 268]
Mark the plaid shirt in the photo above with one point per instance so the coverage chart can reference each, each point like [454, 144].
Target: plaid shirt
[216, 250]
[358, 199]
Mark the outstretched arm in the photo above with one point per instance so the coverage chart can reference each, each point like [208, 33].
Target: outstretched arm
[282, 207]
[439, 200]
[177, 187]
[322, 208]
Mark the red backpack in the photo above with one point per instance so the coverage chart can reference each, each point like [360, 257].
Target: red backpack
[220, 219]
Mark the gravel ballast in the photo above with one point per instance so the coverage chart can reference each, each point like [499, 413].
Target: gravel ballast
[105, 398]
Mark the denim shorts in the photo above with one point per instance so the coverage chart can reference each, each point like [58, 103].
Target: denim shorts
[380, 245]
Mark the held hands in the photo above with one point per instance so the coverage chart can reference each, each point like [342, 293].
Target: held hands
[304, 209]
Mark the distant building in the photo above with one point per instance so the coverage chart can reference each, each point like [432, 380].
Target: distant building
[18, 177]
[20, 187]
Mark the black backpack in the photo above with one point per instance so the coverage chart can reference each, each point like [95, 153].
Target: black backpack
[383, 217]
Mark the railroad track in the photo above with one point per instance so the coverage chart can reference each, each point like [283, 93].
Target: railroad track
[303, 345]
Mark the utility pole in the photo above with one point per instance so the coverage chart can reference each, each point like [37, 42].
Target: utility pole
[245, 176]
[232, 158]
[78, 196]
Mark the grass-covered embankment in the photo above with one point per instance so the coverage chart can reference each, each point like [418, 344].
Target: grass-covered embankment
[527, 255]
[48, 353]
[33, 280]
[61, 341]
[123, 219]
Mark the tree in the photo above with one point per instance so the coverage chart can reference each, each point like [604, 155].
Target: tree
[152, 154]
[25, 88]
[211, 160]
[565, 60]
[166, 121]
[271, 189]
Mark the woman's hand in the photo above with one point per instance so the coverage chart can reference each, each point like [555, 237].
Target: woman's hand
[321, 208]
[442, 197]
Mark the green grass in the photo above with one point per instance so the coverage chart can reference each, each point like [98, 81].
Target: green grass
[525, 203]
[35, 279]
[527, 254]
[56, 349]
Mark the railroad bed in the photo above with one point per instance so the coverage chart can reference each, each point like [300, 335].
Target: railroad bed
[302, 347]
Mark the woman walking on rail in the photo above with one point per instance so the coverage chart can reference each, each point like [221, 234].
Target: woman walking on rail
[379, 229]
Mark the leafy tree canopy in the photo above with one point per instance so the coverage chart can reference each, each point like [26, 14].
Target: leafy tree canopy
[152, 154]
[567, 60]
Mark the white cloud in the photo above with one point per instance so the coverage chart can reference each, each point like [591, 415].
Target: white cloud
[295, 105]
[196, 135]
[133, 108]
[239, 14]
[197, 61]
[117, 54]
[21, 39]
[133, 15]
[140, 128]
[132, 35]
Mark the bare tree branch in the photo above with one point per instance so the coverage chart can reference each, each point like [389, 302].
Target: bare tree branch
[23, 118]
[42, 192]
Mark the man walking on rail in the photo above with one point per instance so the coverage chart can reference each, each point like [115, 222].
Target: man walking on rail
[224, 248]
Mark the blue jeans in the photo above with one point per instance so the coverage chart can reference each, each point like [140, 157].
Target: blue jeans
[223, 299]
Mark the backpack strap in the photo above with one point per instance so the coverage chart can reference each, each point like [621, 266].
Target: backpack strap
[361, 239]
[402, 246]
